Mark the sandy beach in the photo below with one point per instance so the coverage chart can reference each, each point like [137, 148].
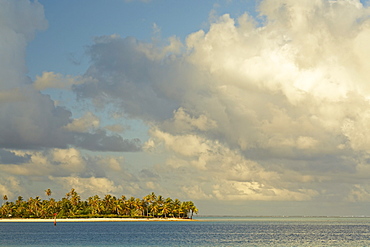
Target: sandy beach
[93, 220]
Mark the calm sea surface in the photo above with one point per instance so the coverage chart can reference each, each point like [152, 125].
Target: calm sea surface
[204, 232]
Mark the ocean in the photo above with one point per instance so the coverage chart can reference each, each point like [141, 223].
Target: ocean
[222, 231]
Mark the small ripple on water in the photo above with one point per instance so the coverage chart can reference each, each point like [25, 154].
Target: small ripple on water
[197, 233]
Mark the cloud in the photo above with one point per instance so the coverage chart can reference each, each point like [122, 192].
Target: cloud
[247, 110]
[100, 141]
[37, 137]
[24, 126]
[115, 128]
[359, 193]
[87, 122]
[30, 119]
[53, 80]
[63, 169]
[10, 186]
[65, 163]
[9, 157]
[12, 95]
[23, 111]
[56, 162]
[260, 110]
[89, 186]
[224, 174]
[131, 75]
[195, 192]
[182, 122]
[20, 21]
[23, 123]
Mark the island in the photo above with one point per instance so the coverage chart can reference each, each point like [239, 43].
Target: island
[108, 208]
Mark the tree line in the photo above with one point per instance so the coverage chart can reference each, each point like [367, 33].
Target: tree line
[71, 206]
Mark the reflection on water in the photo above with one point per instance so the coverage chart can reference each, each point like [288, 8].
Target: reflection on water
[206, 231]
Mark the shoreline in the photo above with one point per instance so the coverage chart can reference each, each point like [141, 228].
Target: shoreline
[94, 220]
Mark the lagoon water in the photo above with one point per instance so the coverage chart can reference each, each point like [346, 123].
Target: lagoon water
[203, 232]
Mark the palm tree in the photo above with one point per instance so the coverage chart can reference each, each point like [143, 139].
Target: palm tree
[5, 198]
[44, 209]
[160, 200]
[176, 207]
[73, 197]
[7, 208]
[124, 205]
[117, 206]
[155, 209]
[150, 200]
[75, 200]
[19, 200]
[153, 197]
[65, 207]
[94, 203]
[123, 198]
[131, 204]
[139, 206]
[167, 207]
[188, 208]
[72, 205]
[48, 192]
[193, 209]
[108, 203]
[20, 210]
[34, 206]
[126, 208]
[20, 206]
[146, 203]
[183, 210]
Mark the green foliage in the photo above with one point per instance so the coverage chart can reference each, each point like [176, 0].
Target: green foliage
[71, 206]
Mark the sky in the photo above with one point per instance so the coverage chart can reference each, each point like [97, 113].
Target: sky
[243, 107]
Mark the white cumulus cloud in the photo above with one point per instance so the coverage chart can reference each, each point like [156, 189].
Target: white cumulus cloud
[259, 110]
